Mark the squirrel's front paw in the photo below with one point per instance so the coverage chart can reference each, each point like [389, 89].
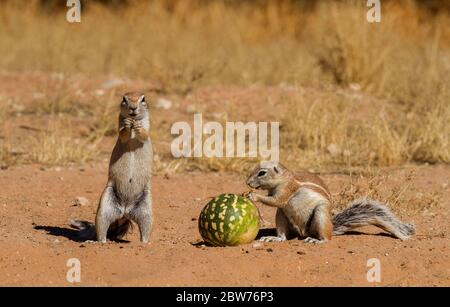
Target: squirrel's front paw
[137, 126]
[252, 196]
[245, 194]
[128, 123]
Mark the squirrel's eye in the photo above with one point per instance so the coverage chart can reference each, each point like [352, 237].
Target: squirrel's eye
[262, 173]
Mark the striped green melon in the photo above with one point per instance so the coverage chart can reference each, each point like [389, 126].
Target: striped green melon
[229, 220]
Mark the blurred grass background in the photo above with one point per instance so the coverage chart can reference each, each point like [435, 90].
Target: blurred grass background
[398, 68]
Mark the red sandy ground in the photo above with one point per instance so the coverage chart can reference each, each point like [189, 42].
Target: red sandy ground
[36, 204]
[35, 241]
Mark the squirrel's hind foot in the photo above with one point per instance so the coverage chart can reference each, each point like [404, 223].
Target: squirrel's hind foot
[272, 239]
[314, 240]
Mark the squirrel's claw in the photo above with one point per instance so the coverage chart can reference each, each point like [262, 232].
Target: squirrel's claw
[314, 240]
[272, 239]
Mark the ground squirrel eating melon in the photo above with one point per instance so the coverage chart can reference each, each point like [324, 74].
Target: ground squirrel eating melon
[303, 203]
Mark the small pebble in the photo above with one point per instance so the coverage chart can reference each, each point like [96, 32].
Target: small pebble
[81, 201]
[163, 103]
[257, 245]
[191, 109]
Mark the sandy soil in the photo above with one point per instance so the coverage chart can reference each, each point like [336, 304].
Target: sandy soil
[37, 202]
[36, 243]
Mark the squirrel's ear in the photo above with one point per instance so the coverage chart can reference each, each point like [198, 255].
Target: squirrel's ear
[142, 98]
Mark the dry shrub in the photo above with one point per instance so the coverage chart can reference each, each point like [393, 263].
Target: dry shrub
[327, 129]
[409, 72]
[399, 57]
[8, 157]
[58, 146]
[429, 129]
[403, 62]
[238, 165]
[187, 45]
[400, 196]
[182, 44]
[56, 97]
[331, 129]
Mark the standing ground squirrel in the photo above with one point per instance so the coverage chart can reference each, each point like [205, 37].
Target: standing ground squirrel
[303, 203]
[127, 196]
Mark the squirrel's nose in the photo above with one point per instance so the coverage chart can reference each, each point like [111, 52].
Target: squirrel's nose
[252, 184]
[249, 183]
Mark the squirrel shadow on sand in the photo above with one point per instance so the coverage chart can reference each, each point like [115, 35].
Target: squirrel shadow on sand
[261, 233]
[73, 234]
[69, 233]
[273, 232]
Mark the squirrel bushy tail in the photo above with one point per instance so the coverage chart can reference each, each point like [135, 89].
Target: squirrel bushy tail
[364, 212]
[116, 231]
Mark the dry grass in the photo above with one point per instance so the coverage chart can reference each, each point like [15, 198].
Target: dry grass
[410, 73]
[400, 65]
[190, 45]
[329, 129]
[56, 97]
[6, 158]
[402, 197]
[400, 57]
[62, 130]
[3, 112]
[59, 147]
[237, 165]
